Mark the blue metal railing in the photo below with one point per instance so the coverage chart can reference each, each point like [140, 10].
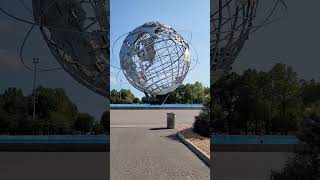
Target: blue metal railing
[156, 106]
[55, 139]
[254, 139]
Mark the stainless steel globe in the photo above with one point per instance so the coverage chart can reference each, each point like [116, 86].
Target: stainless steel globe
[155, 58]
[77, 33]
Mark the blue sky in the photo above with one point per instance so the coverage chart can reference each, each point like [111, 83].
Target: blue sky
[185, 16]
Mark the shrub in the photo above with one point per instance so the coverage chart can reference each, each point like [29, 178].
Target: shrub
[202, 122]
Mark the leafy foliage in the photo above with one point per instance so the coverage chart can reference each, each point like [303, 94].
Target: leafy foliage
[305, 165]
[260, 102]
[84, 123]
[202, 121]
[300, 167]
[105, 121]
[55, 113]
[124, 96]
[185, 94]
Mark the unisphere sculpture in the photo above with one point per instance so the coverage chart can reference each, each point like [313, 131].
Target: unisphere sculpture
[155, 59]
[77, 33]
[232, 21]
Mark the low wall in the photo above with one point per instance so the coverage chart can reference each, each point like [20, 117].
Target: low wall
[156, 106]
[55, 143]
[151, 117]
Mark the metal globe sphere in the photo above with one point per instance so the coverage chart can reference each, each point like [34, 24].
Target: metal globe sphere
[77, 33]
[155, 58]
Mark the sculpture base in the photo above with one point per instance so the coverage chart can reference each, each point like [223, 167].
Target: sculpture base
[158, 99]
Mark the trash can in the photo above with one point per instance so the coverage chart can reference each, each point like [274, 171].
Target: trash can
[171, 120]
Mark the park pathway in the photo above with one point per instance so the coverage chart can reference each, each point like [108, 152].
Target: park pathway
[143, 153]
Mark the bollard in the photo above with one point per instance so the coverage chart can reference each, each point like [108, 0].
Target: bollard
[171, 120]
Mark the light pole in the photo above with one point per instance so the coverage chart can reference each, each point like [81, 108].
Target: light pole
[120, 88]
[35, 62]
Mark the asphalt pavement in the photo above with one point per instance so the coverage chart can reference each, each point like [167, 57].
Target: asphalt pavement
[143, 153]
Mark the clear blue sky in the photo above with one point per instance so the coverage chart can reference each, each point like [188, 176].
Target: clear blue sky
[185, 16]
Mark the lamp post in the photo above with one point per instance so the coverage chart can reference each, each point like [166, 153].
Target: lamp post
[35, 62]
[120, 88]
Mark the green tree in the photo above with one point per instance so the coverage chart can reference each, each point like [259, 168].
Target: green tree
[2, 101]
[84, 122]
[58, 123]
[4, 122]
[202, 122]
[310, 91]
[217, 119]
[54, 100]
[14, 112]
[114, 96]
[248, 100]
[287, 92]
[285, 86]
[200, 92]
[105, 120]
[226, 94]
[136, 100]
[186, 94]
[124, 96]
[98, 128]
[259, 102]
[305, 165]
[55, 113]
[266, 100]
[13, 101]
[177, 96]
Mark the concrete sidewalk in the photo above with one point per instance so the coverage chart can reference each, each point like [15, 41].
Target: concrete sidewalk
[157, 154]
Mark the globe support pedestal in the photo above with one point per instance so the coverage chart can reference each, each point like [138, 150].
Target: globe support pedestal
[155, 99]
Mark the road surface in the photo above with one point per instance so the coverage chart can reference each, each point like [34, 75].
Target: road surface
[143, 154]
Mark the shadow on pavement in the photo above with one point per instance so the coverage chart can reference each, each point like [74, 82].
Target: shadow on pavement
[164, 131]
[173, 137]
[159, 128]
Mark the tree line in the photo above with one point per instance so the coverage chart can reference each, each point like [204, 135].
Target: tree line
[185, 94]
[256, 102]
[55, 114]
[272, 102]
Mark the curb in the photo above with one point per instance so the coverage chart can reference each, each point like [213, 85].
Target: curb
[197, 151]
